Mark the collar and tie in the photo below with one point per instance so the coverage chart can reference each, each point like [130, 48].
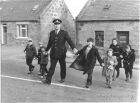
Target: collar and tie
[56, 32]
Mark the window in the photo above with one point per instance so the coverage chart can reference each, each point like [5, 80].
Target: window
[99, 38]
[22, 30]
[123, 37]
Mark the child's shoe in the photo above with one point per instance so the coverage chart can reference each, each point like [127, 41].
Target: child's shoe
[29, 72]
[109, 87]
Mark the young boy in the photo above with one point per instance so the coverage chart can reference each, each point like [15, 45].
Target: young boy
[129, 59]
[30, 52]
[109, 66]
[39, 56]
[87, 60]
[43, 62]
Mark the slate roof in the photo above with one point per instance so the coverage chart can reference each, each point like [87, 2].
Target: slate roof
[110, 10]
[22, 10]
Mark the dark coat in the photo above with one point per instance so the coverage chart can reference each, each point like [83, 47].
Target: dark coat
[129, 59]
[117, 50]
[39, 55]
[30, 51]
[57, 44]
[44, 59]
[86, 64]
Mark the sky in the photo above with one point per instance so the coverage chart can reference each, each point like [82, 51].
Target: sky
[75, 6]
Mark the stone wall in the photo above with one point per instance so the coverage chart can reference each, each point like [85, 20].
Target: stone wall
[33, 32]
[87, 29]
[56, 9]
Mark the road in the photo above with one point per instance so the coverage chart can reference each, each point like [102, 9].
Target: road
[19, 87]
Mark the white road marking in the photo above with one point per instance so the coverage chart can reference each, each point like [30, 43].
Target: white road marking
[56, 84]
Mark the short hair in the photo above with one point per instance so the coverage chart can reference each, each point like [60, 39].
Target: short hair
[109, 50]
[115, 39]
[90, 40]
[127, 46]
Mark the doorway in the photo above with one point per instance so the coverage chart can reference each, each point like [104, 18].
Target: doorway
[123, 37]
[4, 34]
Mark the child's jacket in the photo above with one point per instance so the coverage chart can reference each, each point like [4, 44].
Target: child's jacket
[129, 58]
[30, 51]
[39, 55]
[86, 62]
[108, 60]
[108, 65]
[44, 58]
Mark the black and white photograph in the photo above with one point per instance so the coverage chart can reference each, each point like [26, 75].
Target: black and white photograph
[69, 51]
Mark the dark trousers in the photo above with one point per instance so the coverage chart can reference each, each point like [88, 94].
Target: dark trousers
[29, 63]
[128, 71]
[62, 63]
[89, 78]
[117, 68]
[43, 69]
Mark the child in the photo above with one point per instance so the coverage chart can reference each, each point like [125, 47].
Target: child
[43, 62]
[109, 66]
[117, 51]
[129, 59]
[30, 51]
[39, 56]
[87, 60]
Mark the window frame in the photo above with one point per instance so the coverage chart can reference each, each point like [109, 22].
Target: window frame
[102, 43]
[20, 28]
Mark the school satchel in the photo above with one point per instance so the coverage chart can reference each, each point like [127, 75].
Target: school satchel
[34, 62]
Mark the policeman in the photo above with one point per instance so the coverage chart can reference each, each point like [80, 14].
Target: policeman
[56, 43]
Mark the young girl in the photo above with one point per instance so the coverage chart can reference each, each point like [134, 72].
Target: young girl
[129, 58]
[110, 62]
[43, 62]
[87, 60]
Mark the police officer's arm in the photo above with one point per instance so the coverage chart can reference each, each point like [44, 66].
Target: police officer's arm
[68, 39]
[98, 57]
[49, 43]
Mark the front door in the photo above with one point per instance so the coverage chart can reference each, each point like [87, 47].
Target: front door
[123, 37]
[4, 34]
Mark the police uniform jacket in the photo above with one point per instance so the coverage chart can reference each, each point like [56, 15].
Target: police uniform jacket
[30, 51]
[57, 44]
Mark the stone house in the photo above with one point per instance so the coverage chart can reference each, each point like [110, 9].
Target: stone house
[104, 20]
[23, 19]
